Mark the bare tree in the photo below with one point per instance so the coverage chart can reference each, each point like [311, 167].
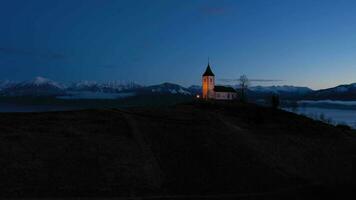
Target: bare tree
[244, 83]
[275, 101]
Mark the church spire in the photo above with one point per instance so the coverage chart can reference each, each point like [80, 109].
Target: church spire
[208, 71]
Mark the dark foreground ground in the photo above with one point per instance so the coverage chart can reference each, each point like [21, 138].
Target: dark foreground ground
[195, 151]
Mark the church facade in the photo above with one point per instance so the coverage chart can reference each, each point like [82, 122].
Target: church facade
[211, 91]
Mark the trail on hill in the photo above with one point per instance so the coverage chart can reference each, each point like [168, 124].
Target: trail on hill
[151, 166]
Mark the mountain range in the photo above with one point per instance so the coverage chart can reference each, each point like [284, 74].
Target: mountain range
[40, 86]
[37, 87]
[341, 92]
[281, 89]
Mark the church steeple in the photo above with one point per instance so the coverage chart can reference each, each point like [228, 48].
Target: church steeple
[208, 71]
[208, 83]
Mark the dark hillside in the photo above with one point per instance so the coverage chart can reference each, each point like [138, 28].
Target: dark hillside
[218, 150]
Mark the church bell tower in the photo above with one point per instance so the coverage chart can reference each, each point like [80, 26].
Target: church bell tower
[208, 83]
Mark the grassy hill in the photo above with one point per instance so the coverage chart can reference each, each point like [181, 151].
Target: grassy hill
[195, 150]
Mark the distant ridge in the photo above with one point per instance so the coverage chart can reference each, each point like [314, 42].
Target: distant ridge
[45, 87]
[341, 92]
[41, 86]
[282, 89]
[165, 88]
[108, 87]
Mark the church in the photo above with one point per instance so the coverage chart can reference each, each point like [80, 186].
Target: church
[211, 91]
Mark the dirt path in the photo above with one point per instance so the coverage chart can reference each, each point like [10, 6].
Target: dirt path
[151, 166]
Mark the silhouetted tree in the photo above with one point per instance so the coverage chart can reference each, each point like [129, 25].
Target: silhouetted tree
[294, 106]
[275, 101]
[244, 83]
[324, 119]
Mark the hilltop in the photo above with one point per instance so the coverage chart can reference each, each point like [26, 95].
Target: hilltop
[221, 150]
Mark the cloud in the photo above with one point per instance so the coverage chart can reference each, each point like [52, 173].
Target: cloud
[252, 80]
[266, 80]
[33, 53]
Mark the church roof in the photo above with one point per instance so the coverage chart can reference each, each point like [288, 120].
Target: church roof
[208, 71]
[223, 89]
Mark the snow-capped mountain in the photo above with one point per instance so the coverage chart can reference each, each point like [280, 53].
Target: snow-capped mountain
[165, 88]
[37, 87]
[109, 87]
[5, 84]
[341, 92]
[40, 86]
[41, 82]
[281, 89]
[45, 87]
[195, 89]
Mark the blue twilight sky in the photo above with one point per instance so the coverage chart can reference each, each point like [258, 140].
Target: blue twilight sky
[304, 42]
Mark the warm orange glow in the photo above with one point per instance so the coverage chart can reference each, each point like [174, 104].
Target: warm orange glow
[208, 86]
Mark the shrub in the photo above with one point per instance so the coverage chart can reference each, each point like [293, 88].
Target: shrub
[275, 101]
[343, 127]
